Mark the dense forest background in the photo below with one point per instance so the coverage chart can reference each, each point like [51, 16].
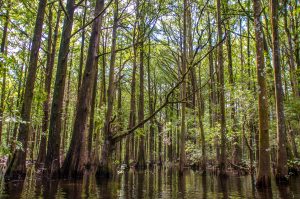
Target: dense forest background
[93, 85]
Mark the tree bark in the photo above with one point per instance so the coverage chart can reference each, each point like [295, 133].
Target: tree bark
[151, 110]
[81, 59]
[2, 68]
[102, 100]
[132, 115]
[141, 164]
[282, 170]
[17, 166]
[76, 159]
[119, 108]
[92, 119]
[237, 151]
[104, 166]
[263, 177]
[53, 148]
[65, 135]
[182, 160]
[197, 97]
[293, 75]
[222, 160]
[47, 86]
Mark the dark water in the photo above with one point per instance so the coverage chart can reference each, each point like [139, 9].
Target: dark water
[158, 183]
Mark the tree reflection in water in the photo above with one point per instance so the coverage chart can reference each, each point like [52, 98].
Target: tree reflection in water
[161, 183]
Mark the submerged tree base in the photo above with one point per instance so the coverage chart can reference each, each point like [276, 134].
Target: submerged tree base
[15, 175]
[72, 173]
[281, 179]
[263, 181]
[16, 169]
[51, 174]
[222, 170]
[103, 171]
[140, 166]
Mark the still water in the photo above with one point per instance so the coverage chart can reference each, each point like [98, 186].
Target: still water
[158, 183]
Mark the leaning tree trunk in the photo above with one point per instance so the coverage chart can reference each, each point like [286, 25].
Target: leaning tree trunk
[264, 170]
[17, 166]
[282, 170]
[53, 148]
[76, 159]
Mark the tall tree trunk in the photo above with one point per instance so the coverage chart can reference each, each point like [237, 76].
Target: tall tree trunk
[92, 118]
[3, 69]
[76, 159]
[212, 96]
[252, 125]
[182, 160]
[282, 170]
[200, 113]
[141, 164]
[132, 115]
[91, 135]
[264, 170]
[237, 152]
[52, 158]
[47, 86]
[159, 150]
[19, 101]
[222, 161]
[293, 143]
[105, 163]
[293, 75]
[119, 108]
[103, 93]
[81, 59]
[141, 153]
[151, 109]
[65, 135]
[197, 98]
[17, 166]
[295, 26]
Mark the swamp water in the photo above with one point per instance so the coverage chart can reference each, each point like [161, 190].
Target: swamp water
[158, 183]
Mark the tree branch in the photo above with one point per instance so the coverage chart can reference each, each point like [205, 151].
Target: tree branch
[125, 133]
[90, 22]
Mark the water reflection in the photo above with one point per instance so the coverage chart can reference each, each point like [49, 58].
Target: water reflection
[158, 183]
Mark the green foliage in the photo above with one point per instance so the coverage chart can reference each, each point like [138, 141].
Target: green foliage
[140, 132]
[293, 109]
[4, 150]
[193, 153]
[163, 40]
[19, 145]
[295, 163]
